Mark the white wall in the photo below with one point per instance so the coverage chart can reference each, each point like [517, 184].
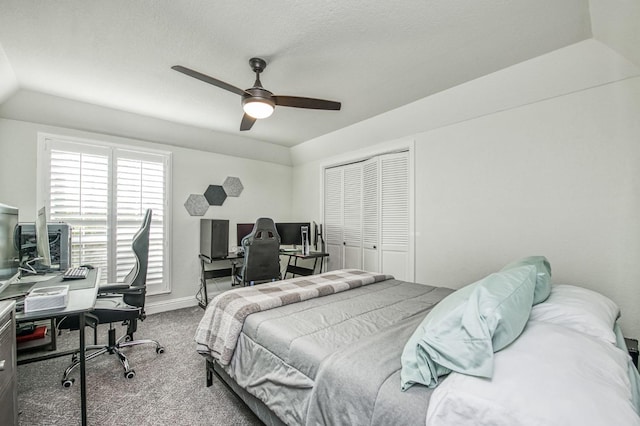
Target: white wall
[557, 178]
[583, 65]
[552, 171]
[8, 82]
[267, 192]
[615, 22]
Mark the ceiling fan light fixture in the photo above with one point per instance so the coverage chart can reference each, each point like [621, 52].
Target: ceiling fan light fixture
[258, 102]
[258, 107]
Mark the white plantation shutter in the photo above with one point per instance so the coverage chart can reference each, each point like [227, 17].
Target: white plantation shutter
[140, 185]
[79, 191]
[103, 193]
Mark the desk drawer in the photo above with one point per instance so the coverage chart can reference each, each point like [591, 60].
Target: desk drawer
[8, 408]
[7, 352]
[8, 375]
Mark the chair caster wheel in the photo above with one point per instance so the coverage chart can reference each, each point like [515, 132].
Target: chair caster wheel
[129, 374]
[67, 383]
[160, 350]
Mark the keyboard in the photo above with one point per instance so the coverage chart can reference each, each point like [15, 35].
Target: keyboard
[290, 250]
[75, 273]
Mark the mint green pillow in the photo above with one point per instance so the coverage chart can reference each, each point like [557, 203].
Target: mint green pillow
[462, 332]
[543, 275]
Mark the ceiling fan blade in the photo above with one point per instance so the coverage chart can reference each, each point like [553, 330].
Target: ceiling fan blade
[247, 122]
[310, 103]
[210, 80]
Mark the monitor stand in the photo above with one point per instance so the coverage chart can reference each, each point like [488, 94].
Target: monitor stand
[29, 267]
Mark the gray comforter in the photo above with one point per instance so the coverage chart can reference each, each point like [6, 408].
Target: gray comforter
[336, 359]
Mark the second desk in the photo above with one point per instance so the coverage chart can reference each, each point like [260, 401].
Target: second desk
[294, 269]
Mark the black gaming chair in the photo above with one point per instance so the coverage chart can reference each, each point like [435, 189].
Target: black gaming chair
[261, 254]
[122, 302]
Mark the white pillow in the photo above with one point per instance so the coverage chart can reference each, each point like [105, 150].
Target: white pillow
[549, 376]
[579, 309]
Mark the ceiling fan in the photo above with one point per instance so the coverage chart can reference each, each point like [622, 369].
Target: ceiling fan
[258, 102]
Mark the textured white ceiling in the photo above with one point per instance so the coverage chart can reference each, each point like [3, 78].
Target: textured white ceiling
[371, 56]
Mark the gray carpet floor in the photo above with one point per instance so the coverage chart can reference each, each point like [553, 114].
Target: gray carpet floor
[168, 389]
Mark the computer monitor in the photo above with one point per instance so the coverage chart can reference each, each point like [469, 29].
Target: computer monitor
[291, 232]
[242, 230]
[9, 245]
[42, 238]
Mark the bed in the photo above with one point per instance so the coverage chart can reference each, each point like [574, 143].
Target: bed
[333, 354]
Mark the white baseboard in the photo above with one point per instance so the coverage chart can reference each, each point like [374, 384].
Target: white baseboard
[170, 305]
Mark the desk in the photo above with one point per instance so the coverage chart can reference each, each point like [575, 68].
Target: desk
[299, 270]
[216, 272]
[235, 259]
[81, 301]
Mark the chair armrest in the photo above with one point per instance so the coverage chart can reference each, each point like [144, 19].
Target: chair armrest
[110, 289]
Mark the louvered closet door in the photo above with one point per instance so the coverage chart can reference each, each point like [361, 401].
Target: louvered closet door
[370, 216]
[352, 219]
[395, 215]
[333, 234]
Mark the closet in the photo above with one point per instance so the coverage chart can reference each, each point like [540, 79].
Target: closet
[368, 220]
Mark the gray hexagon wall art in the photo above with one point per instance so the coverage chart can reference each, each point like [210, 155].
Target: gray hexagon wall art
[232, 186]
[196, 205]
[214, 195]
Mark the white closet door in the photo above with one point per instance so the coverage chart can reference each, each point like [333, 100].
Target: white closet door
[395, 215]
[370, 216]
[333, 229]
[352, 219]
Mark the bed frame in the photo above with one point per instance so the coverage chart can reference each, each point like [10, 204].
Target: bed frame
[254, 404]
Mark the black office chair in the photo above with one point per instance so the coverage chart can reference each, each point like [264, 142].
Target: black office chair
[261, 254]
[122, 302]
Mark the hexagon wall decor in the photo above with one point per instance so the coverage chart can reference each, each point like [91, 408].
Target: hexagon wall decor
[232, 186]
[215, 195]
[196, 205]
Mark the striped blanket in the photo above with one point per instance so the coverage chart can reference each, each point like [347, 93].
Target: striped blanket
[220, 327]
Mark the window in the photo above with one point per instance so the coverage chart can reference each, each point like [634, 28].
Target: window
[102, 191]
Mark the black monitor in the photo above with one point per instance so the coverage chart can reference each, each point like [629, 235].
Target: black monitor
[242, 230]
[291, 232]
